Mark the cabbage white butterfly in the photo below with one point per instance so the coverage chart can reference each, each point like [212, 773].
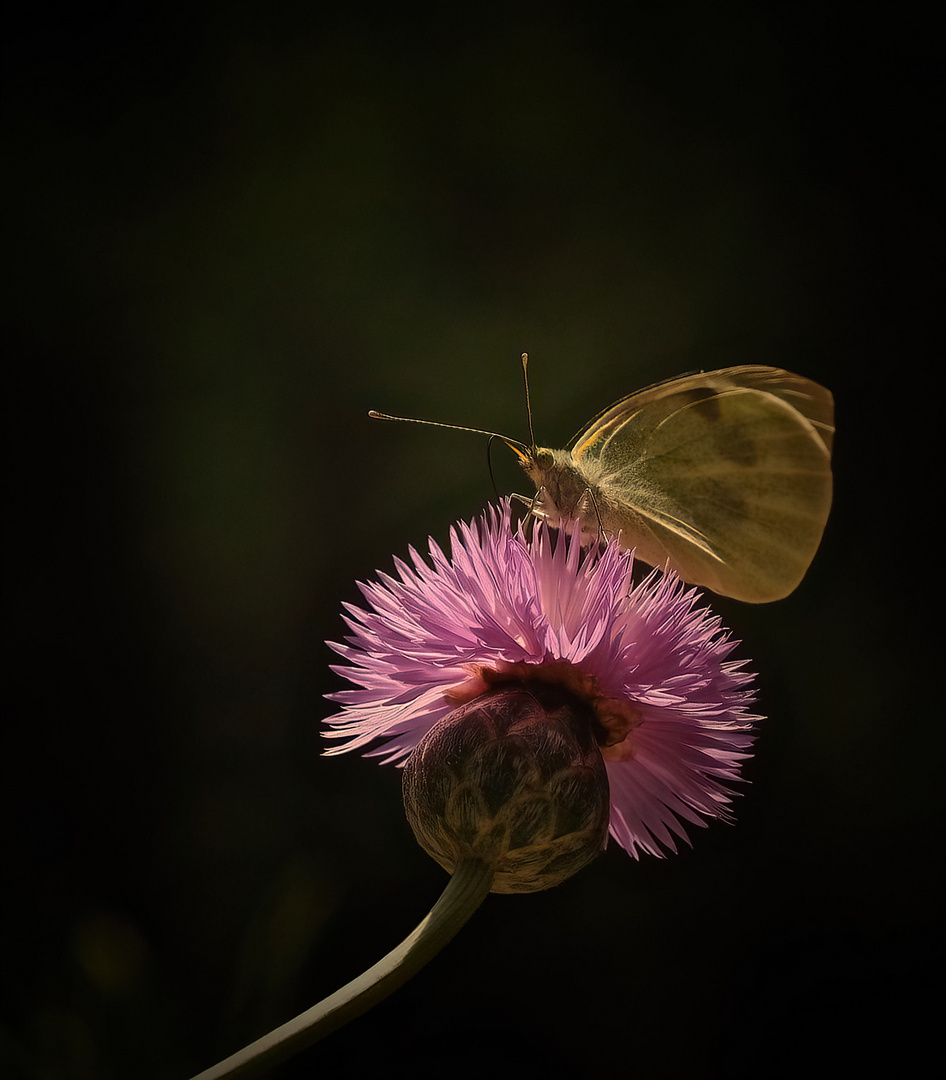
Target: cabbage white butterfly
[725, 476]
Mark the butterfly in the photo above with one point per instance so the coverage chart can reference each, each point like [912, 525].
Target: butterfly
[722, 476]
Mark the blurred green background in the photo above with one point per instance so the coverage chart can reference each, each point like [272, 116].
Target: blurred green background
[233, 231]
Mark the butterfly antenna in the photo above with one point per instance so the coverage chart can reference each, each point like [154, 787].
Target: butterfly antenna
[513, 443]
[525, 379]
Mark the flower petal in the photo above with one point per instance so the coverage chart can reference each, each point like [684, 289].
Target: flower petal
[502, 599]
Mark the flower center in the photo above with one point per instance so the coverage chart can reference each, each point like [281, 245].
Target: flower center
[614, 718]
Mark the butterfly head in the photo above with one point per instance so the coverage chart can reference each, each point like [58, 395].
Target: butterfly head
[535, 461]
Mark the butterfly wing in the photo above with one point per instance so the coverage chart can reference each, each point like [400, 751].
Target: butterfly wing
[725, 476]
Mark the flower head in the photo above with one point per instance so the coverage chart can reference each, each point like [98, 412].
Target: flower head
[668, 708]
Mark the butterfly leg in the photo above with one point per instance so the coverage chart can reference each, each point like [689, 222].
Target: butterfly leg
[542, 506]
[588, 506]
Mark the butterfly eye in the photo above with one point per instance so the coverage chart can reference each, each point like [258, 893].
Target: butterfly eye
[544, 458]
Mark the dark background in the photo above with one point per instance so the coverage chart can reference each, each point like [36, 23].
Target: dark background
[232, 232]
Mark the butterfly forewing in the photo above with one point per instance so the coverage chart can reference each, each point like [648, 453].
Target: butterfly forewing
[812, 401]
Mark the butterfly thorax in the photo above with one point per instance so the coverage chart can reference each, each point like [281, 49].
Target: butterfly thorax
[563, 490]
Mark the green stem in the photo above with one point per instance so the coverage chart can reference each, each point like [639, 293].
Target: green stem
[465, 891]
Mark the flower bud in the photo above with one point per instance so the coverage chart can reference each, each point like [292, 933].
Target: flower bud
[514, 778]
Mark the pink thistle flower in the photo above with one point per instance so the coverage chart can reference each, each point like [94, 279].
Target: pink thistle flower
[670, 707]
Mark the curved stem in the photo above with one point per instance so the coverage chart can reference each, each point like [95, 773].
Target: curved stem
[465, 891]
